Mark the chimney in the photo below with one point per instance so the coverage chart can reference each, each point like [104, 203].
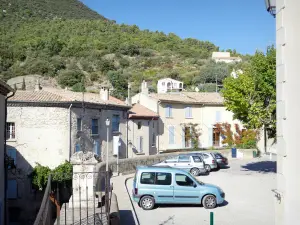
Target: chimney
[37, 86]
[145, 89]
[104, 93]
[129, 95]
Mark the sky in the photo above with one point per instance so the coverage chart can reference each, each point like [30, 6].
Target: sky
[244, 25]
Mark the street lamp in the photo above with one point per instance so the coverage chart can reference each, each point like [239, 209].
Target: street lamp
[107, 122]
[271, 7]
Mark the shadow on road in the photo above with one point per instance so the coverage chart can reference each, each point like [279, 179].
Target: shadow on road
[261, 167]
[225, 203]
[127, 217]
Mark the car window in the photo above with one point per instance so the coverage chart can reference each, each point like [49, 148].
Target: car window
[205, 156]
[163, 179]
[148, 178]
[197, 159]
[218, 156]
[184, 158]
[174, 159]
[183, 180]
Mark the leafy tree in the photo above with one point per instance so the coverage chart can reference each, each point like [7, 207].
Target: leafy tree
[252, 96]
[69, 78]
[119, 83]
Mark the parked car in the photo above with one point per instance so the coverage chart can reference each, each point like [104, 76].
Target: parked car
[209, 160]
[222, 161]
[161, 185]
[191, 163]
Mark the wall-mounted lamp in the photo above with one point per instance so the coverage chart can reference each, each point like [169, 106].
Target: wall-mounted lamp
[271, 7]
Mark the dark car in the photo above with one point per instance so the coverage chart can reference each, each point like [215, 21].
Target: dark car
[222, 161]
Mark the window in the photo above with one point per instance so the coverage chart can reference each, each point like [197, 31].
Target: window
[115, 123]
[218, 116]
[77, 148]
[153, 139]
[184, 158]
[197, 159]
[12, 190]
[216, 137]
[163, 83]
[97, 148]
[10, 131]
[163, 179]
[183, 180]
[12, 153]
[205, 156]
[172, 160]
[95, 128]
[139, 125]
[147, 178]
[168, 111]
[79, 124]
[188, 112]
[140, 144]
[171, 135]
[156, 178]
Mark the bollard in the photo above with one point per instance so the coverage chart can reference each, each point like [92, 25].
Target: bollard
[211, 218]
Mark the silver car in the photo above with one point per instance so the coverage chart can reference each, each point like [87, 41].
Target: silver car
[209, 160]
[191, 163]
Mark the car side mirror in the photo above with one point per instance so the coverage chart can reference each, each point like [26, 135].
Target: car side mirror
[195, 185]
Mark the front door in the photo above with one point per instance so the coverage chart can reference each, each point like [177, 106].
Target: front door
[184, 190]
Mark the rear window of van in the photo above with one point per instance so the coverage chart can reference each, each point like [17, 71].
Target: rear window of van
[156, 178]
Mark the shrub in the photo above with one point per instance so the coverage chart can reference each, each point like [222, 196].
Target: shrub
[68, 78]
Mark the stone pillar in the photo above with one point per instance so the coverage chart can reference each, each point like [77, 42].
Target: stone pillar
[84, 179]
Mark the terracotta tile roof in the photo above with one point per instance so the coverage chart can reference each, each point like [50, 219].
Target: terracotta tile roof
[139, 111]
[57, 95]
[190, 97]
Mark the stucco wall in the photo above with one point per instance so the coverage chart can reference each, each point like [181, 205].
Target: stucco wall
[146, 101]
[2, 125]
[146, 131]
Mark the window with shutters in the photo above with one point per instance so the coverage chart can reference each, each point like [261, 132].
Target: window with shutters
[95, 127]
[188, 112]
[168, 111]
[10, 131]
[115, 123]
[171, 135]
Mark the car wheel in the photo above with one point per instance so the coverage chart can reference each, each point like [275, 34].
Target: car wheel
[147, 202]
[209, 202]
[208, 168]
[195, 171]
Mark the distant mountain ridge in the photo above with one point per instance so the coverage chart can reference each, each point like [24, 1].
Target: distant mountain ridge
[46, 9]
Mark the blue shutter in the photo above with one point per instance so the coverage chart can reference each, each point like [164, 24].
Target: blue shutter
[210, 137]
[115, 122]
[12, 153]
[167, 111]
[12, 189]
[218, 116]
[97, 148]
[171, 135]
[170, 111]
[77, 148]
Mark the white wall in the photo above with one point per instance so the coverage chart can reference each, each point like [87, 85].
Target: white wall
[146, 101]
[288, 107]
[2, 184]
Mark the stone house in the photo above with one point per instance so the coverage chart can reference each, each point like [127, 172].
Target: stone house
[142, 131]
[47, 126]
[4, 91]
[179, 111]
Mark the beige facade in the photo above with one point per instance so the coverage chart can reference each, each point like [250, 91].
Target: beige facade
[181, 110]
[288, 107]
[4, 91]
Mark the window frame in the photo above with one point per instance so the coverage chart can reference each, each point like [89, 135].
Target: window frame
[115, 123]
[185, 176]
[10, 131]
[139, 125]
[79, 124]
[201, 160]
[155, 178]
[149, 178]
[168, 111]
[185, 161]
[93, 126]
[188, 112]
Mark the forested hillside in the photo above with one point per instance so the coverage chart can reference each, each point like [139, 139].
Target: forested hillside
[74, 44]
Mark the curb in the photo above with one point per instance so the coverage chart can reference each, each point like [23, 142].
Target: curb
[136, 219]
[114, 213]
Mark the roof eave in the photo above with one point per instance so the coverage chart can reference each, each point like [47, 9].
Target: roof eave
[5, 88]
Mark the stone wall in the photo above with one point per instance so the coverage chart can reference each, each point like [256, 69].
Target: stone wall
[129, 165]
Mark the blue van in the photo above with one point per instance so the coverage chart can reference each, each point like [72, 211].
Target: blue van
[165, 185]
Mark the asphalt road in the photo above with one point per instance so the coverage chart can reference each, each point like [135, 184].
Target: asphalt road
[249, 199]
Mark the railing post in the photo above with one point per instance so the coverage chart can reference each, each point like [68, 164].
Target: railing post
[211, 218]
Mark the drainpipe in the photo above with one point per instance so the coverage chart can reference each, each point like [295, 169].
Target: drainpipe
[158, 134]
[70, 132]
[4, 154]
[127, 141]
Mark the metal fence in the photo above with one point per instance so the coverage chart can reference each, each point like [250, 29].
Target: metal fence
[82, 199]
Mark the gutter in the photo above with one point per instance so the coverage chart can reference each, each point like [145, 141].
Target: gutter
[4, 154]
[70, 132]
